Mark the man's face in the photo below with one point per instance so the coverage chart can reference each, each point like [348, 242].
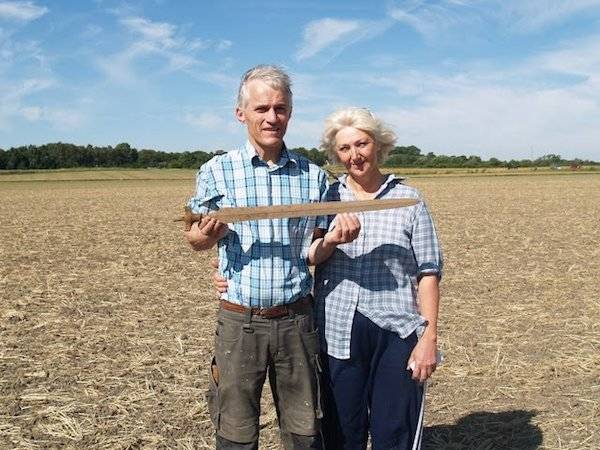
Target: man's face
[266, 114]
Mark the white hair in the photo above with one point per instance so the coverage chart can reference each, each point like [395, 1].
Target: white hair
[361, 119]
[272, 75]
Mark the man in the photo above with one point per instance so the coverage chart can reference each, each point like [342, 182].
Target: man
[265, 320]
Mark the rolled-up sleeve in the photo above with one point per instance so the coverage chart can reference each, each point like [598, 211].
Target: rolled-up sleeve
[207, 197]
[425, 243]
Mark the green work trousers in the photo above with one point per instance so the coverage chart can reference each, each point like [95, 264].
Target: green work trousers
[247, 349]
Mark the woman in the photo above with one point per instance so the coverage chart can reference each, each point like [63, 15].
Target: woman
[374, 295]
[376, 288]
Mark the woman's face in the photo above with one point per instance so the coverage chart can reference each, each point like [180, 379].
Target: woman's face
[357, 151]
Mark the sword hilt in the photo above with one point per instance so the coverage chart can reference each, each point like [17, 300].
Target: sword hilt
[189, 218]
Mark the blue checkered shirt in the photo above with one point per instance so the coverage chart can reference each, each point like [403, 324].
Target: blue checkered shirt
[377, 273]
[264, 261]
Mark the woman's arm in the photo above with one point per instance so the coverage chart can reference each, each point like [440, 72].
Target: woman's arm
[346, 229]
[424, 356]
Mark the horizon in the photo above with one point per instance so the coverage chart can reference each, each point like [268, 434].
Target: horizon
[496, 79]
[546, 160]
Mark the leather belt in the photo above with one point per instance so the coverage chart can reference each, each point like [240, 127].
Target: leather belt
[272, 312]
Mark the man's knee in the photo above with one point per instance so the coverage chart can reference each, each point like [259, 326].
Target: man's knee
[225, 444]
[292, 441]
[297, 382]
[233, 409]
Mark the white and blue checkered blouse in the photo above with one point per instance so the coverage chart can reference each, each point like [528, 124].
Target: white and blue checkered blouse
[377, 273]
[264, 261]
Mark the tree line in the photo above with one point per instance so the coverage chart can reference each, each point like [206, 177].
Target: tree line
[62, 155]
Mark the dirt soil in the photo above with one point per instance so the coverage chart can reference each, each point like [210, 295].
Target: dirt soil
[107, 317]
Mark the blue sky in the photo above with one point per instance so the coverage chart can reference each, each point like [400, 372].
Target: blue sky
[504, 78]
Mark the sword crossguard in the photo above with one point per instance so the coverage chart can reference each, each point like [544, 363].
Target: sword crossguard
[189, 218]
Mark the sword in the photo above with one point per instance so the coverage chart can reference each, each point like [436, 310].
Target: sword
[243, 213]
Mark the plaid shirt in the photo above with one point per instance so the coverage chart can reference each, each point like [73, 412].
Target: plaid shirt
[264, 261]
[377, 273]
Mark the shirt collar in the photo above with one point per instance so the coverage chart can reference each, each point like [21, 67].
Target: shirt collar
[390, 180]
[285, 156]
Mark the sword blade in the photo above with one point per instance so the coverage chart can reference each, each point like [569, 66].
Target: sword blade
[241, 214]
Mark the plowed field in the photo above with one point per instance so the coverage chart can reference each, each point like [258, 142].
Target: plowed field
[107, 317]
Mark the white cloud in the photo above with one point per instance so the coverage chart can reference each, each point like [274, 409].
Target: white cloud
[31, 113]
[14, 94]
[158, 33]
[30, 86]
[64, 118]
[501, 122]
[14, 51]
[22, 11]
[433, 19]
[152, 38]
[58, 117]
[222, 79]
[204, 120]
[162, 41]
[409, 19]
[198, 44]
[179, 61]
[507, 113]
[310, 90]
[532, 15]
[304, 132]
[118, 67]
[91, 31]
[322, 33]
[166, 38]
[212, 122]
[224, 45]
[217, 125]
[547, 103]
[577, 57]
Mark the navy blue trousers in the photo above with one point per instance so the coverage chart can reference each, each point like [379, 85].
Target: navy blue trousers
[372, 392]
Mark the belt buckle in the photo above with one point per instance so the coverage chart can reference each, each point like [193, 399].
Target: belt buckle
[272, 312]
[261, 312]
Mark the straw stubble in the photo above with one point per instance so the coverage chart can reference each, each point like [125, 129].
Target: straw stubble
[107, 318]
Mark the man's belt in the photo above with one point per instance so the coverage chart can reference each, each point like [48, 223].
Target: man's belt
[272, 312]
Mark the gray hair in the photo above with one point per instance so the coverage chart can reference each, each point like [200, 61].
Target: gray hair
[361, 119]
[272, 75]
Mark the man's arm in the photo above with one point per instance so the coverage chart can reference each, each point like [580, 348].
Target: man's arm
[347, 228]
[204, 234]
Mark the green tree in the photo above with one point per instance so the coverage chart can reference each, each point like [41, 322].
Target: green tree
[124, 155]
[314, 154]
[549, 160]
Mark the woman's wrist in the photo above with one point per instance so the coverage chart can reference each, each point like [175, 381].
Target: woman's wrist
[430, 334]
[327, 244]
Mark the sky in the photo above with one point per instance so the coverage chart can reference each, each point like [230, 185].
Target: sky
[511, 79]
